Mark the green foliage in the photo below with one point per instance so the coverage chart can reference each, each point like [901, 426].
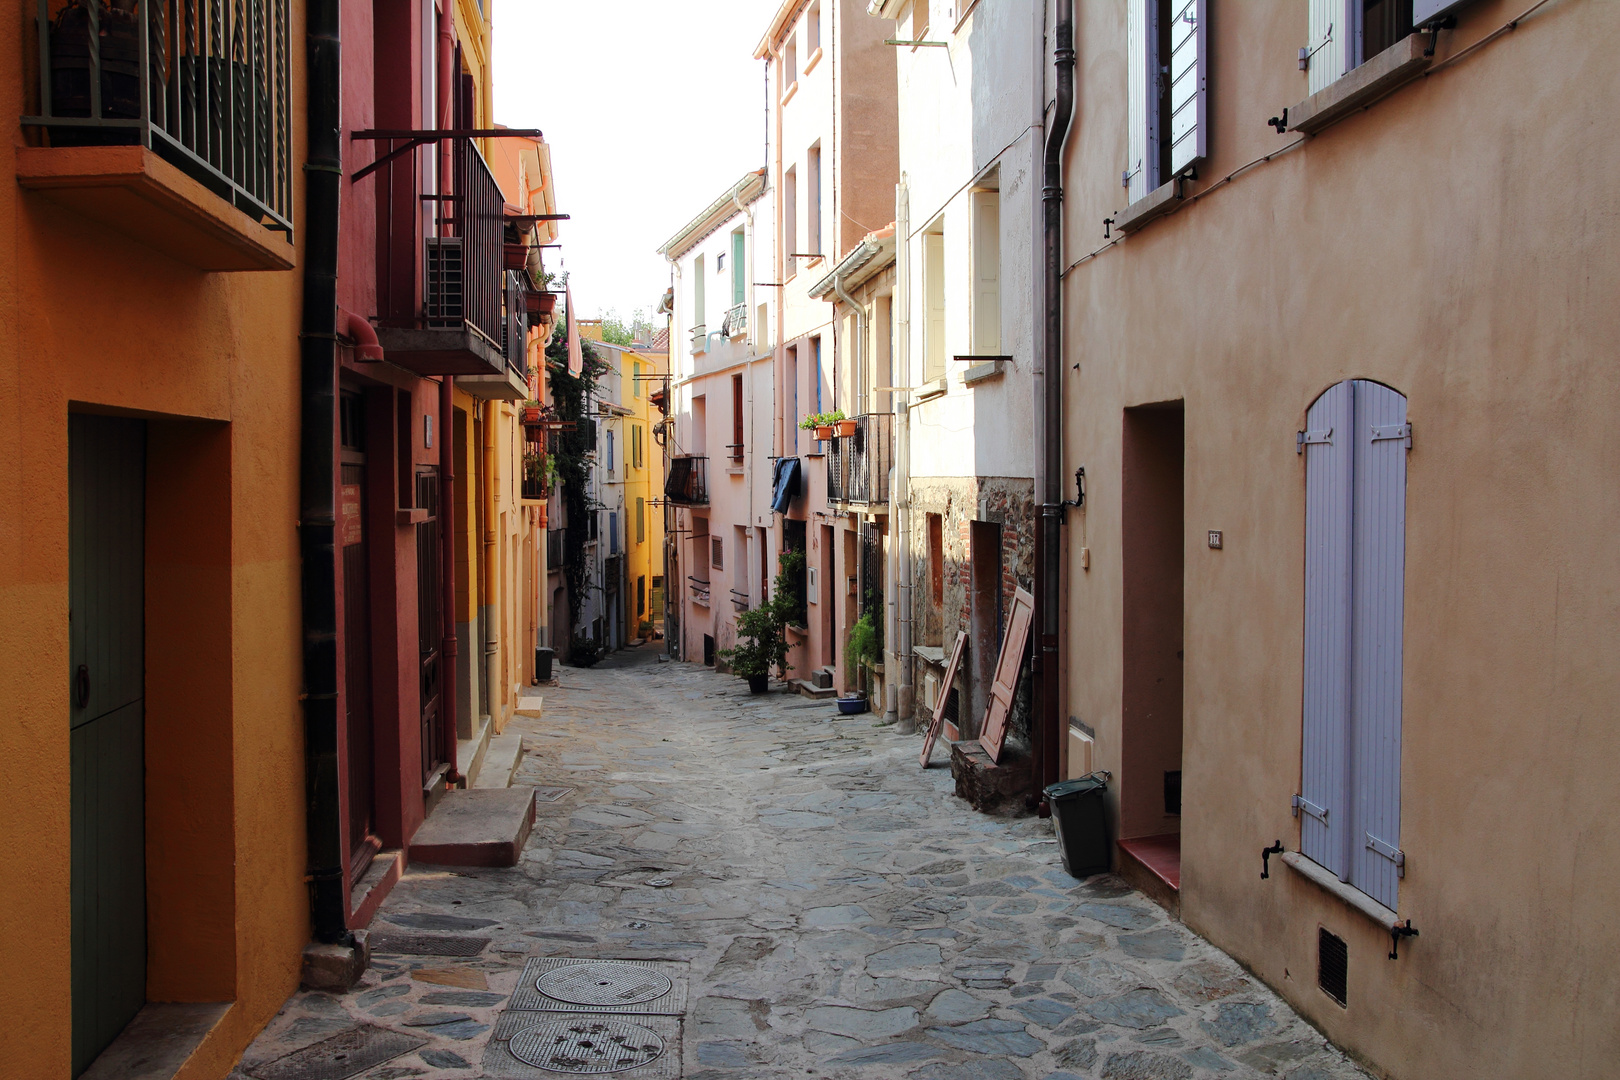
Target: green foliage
[762, 642]
[815, 420]
[584, 650]
[865, 647]
[616, 331]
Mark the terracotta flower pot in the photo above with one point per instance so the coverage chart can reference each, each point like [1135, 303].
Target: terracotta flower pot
[824, 431]
[531, 414]
[517, 256]
[846, 428]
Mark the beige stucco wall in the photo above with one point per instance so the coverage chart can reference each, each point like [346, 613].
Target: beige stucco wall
[1458, 242]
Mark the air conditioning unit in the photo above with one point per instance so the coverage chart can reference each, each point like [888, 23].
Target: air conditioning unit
[444, 296]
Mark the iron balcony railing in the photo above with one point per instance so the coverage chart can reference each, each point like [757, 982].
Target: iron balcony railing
[700, 338]
[700, 591]
[736, 323]
[202, 83]
[688, 480]
[461, 278]
[858, 464]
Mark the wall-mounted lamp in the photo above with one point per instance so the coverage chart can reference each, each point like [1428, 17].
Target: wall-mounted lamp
[1079, 489]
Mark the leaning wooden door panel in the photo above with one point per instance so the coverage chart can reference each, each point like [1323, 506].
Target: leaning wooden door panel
[1005, 683]
[940, 706]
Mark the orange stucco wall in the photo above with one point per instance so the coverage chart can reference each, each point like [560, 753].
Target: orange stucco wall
[90, 319]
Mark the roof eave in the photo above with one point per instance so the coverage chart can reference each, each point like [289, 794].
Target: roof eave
[746, 190]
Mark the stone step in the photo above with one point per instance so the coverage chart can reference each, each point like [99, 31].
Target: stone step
[476, 827]
[470, 752]
[810, 689]
[501, 760]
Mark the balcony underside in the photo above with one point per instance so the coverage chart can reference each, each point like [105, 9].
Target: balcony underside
[133, 191]
[442, 351]
[509, 385]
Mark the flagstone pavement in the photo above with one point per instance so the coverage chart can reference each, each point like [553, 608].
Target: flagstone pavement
[838, 913]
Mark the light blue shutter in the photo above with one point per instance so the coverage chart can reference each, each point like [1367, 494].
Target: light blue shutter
[1379, 581]
[1141, 97]
[1329, 473]
[1189, 45]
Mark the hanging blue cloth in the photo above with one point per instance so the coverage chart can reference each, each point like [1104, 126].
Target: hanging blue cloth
[784, 484]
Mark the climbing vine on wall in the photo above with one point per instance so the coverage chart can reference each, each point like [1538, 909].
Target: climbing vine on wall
[572, 451]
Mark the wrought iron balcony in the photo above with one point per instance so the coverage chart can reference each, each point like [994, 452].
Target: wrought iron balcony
[700, 591]
[204, 86]
[736, 323]
[688, 480]
[858, 464]
[444, 299]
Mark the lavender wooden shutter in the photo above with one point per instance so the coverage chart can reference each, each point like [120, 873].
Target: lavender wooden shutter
[1378, 575]
[1329, 472]
[1188, 85]
[1141, 174]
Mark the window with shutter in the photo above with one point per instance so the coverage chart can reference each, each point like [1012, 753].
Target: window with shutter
[1355, 446]
[1344, 34]
[1166, 45]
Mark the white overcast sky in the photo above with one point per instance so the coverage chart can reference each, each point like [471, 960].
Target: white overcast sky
[652, 108]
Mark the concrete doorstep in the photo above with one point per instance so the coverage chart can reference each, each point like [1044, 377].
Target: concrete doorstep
[476, 827]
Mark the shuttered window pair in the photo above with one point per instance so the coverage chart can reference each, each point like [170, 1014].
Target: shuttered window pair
[1166, 46]
[1349, 805]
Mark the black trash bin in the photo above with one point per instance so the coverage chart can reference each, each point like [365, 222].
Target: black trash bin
[1082, 826]
[542, 663]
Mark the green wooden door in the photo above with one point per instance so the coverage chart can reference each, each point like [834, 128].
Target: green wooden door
[106, 594]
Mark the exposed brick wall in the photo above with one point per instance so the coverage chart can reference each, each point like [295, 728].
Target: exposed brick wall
[1006, 501]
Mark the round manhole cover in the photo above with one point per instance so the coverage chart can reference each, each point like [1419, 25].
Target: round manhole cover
[605, 983]
[586, 1046]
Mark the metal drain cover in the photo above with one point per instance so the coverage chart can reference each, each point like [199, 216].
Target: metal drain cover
[604, 983]
[586, 1046]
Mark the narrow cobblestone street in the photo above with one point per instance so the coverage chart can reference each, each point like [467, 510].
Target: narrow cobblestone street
[830, 910]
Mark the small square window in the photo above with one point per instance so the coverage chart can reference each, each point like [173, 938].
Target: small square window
[719, 262]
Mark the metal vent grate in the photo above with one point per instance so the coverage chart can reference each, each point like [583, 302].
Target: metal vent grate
[1332, 965]
[559, 984]
[585, 1046]
[604, 984]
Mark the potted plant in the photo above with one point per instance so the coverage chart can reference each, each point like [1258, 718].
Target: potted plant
[822, 424]
[531, 412]
[864, 649]
[761, 644]
[845, 427]
[584, 650]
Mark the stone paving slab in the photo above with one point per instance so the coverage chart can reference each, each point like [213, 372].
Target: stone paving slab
[840, 913]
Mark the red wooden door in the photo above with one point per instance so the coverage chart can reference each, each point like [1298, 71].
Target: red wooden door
[1005, 684]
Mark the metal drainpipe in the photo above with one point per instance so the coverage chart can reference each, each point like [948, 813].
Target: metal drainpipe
[905, 694]
[323, 174]
[1048, 539]
[450, 653]
[492, 637]
[447, 561]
